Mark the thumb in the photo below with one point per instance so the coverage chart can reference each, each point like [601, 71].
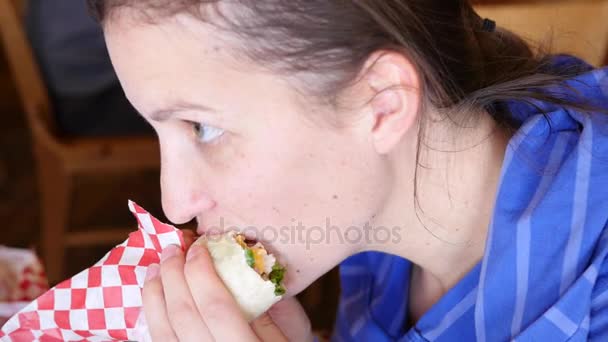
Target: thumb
[290, 317]
[267, 330]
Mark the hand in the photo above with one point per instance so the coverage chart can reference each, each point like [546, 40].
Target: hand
[187, 301]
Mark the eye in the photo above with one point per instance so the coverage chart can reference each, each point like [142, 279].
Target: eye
[205, 133]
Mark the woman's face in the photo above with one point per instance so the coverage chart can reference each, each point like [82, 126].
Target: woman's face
[239, 151]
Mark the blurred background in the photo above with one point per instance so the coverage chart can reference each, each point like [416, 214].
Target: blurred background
[65, 178]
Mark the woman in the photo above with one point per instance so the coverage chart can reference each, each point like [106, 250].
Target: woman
[460, 177]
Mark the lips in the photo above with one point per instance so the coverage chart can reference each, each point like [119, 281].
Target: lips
[201, 230]
[211, 228]
[205, 229]
[215, 231]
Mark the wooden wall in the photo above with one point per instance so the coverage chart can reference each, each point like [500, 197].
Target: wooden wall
[579, 27]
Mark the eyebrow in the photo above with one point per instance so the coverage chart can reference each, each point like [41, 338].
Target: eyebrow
[166, 113]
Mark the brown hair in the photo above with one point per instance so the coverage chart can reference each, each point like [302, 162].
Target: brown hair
[464, 68]
[461, 65]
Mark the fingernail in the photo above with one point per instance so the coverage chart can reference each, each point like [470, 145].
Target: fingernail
[153, 271]
[194, 250]
[169, 252]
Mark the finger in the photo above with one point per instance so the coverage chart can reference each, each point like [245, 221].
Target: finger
[154, 307]
[215, 303]
[290, 317]
[266, 330]
[182, 313]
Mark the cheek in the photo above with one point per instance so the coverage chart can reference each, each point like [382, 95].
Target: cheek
[289, 189]
[306, 178]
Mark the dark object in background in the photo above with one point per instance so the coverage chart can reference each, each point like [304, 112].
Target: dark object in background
[61, 160]
[3, 174]
[84, 90]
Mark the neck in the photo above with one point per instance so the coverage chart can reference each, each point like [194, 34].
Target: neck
[444, 233]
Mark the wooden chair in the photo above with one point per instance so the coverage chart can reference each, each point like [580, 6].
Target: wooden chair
[3, 174]
[59, 159]
[579, 27]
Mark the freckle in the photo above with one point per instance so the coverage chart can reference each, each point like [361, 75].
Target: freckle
[297, 271]
[275, 209]
[428, 243]
[216, 48]
[305, 205]
[335, 197]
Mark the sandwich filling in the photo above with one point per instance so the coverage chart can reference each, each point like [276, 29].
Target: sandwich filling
[263, 263]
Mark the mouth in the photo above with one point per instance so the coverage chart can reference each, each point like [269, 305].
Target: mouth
[204, 230]
[201, 230]
[210, 232]
[216, 230]
[250, 236]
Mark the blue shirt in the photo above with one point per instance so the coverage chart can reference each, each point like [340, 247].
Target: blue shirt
[544, 273]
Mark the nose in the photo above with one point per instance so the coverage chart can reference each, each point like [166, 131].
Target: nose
[184, 196]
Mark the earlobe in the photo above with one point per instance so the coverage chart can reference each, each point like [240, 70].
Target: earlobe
[395, 102]
[392, 122]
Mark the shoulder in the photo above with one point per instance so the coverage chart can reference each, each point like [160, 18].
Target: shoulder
[598, 324]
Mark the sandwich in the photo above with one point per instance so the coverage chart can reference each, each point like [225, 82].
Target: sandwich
[252, 275]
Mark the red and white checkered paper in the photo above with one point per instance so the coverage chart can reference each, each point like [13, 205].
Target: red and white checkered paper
[104, 302]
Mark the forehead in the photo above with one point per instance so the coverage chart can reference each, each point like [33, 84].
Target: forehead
[176, 57]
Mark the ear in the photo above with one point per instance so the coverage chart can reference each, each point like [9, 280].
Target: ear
[395, 87]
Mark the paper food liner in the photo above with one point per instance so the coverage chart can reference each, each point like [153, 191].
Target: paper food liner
[101, 303]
